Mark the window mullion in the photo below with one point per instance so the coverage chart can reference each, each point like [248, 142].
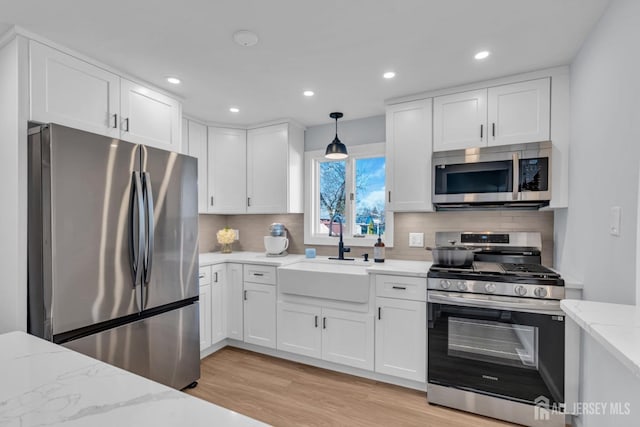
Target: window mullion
[350, 189]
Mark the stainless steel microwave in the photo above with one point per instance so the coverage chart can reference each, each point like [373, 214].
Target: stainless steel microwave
[497, 177]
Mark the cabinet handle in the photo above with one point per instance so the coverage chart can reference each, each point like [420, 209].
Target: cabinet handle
[115, 121]
[258, 274]
[379, 313]
[389, 196]
[245, 295]
[402, 288]
[248, 201]
[215, 277]
[324, 323]
[211, 200]
[316, 321]
[126, 122]
[481, 131]
[493, 130]
[201, 276]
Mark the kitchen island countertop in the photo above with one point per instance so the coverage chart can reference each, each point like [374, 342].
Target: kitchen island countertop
[46, 384]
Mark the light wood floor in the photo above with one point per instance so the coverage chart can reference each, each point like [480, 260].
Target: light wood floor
[284, 393]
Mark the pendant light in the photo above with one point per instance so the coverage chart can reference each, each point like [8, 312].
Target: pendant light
[336, 150]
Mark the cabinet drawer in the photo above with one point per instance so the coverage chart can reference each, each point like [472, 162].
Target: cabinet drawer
[260, 274]
[204, 275]
[411, 288]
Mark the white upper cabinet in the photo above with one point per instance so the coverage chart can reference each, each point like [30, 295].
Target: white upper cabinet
[197, 147]
[71, 92]
[227, 171]
[149, 117]
[459, 120]
[519, 113]
[275, 172]
[408, 156]
[514, 113]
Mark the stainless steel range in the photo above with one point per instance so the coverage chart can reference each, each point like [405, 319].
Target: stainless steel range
[496, 331]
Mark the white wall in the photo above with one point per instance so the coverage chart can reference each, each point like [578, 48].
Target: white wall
[605, 149]
[13, 215]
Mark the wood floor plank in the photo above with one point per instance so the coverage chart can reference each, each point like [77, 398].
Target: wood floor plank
[284, 393]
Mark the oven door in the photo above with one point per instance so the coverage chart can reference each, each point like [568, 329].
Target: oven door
[499, 346]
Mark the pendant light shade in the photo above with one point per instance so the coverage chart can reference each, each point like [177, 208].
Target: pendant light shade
[336, 150]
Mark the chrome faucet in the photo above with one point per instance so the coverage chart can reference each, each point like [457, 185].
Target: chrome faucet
[342, 249]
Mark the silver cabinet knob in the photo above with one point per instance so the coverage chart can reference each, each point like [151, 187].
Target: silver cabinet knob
[540, 292]
[520, 290]
[462, 286]
[445, 284]
[490, 287]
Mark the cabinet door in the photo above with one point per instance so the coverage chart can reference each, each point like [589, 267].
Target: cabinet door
[267, 169]
[299, 329]
[205, 316]
[460, 120]
[72, 92]
[519, 112]
[233, 298]
[149, 117]
[408, 151]
[227, 154]
[347, 338]
[260, 314]
[184, 143]
[218, 306]
[198, 149]
[401, 338]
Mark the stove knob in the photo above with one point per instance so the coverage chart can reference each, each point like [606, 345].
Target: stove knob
[540, 292]
[445, 284]
[462, 286]
[490, 287]
[520, 290]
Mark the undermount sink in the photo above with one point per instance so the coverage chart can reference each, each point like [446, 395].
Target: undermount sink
[329, 280]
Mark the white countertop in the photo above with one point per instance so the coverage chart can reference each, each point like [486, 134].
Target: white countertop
[45, 384]
[615, 326]
[390, 266]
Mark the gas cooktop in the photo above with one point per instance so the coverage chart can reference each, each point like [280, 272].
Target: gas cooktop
[502, 269]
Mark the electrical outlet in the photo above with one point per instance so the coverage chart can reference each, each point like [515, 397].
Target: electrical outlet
[416, 240]
[237, 234]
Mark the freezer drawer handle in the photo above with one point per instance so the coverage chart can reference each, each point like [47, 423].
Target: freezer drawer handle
[150, 225]
[135, 251]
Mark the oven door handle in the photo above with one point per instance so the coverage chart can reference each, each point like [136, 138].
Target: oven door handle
[551, 307]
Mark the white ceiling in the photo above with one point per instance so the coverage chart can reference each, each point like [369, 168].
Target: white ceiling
[339, 49]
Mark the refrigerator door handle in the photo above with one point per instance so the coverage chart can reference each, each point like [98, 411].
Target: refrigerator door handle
[148, 200]
[135, 258]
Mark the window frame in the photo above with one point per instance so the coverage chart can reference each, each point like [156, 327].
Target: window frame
[312, 210]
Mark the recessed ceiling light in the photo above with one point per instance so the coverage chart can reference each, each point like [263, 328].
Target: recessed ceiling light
[173, 80]
[308, 93]
[389, 75]
[482, 55]
[234, 109]
[245, 38]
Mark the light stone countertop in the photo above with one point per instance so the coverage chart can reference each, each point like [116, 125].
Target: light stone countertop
[44, 384]
[614, 326]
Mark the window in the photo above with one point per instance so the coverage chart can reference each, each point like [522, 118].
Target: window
[347, 193]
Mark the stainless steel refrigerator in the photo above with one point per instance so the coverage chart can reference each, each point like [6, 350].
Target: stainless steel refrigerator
[113, 256]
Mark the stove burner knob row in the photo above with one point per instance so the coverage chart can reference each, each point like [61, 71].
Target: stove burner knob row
[490, 287]
[462, 286]
[445, 284]
[520, 290]
[540, 292]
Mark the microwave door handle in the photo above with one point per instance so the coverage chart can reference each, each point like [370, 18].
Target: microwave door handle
[516, 175]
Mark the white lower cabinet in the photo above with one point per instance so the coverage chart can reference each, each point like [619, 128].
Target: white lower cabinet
[260, 314]
[333, 335]
[401, 338]
[233, 297]
[218, 305]
[299, 329]
[205, 316]
[347, 338]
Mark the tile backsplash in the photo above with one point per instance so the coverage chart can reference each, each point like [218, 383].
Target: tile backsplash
[253, 227]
